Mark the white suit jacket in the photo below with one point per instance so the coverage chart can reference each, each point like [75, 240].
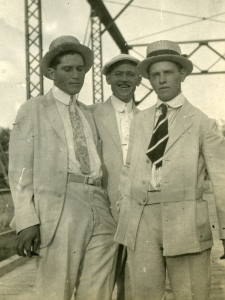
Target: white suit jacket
[105, 119]
[194, 145]
[38, 164]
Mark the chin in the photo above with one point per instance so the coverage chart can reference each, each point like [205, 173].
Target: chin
[74, 92]
[125, 99]
[165, 98]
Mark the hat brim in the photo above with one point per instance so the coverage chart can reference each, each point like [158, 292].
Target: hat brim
[146, 63]
[108, 66]
[84, 51]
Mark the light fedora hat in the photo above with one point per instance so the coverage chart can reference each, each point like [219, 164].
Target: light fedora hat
[164, 51]
[118, 58]
[66, 43]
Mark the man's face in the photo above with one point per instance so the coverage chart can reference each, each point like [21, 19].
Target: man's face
[165, 78]
[69, 73]
[123, 80]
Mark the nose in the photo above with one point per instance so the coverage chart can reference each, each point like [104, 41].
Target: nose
[162, 78]
[124, 77]
[75, 73]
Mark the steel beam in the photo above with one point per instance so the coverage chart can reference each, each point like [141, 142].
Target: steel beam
[33, 39]
[105, 17]
[119, 14]
[96, 45]
[198, 44]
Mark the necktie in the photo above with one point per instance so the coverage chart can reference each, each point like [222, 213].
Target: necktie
[80, 143]
[159, 138]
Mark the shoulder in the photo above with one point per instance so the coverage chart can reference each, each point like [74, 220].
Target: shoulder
[84, 107]
[206, 124]
[26, 108]
[203, 117]
[101, 109]
[193, 109]
[143, 114]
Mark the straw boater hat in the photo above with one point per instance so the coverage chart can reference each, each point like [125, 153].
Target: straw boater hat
[164, 51]
[66, 43]
[121, 57]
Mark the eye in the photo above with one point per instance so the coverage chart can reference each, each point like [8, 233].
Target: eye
[130, 74]
[67, 69]
[80, 68]
[169, 72]
[154, 75]
[117, 74]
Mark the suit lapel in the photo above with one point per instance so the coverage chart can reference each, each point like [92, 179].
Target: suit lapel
[147, 126]
[181, 124]
[110, 123]
[53, 116]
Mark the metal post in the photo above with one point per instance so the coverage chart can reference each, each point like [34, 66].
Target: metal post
[33, 38]
[96, 44]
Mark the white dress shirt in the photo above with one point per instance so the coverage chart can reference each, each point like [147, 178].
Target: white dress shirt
[174, 107]
[124, 115]
[73, 164]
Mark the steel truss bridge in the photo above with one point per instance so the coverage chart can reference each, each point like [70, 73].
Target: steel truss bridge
[101, 21]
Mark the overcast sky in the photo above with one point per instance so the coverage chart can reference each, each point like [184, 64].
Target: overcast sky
[178, 20]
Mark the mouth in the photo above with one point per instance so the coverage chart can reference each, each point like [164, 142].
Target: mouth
[74, 83]
[124, 86]
[164, 88]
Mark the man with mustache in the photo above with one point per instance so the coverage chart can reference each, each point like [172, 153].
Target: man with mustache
[113, 119]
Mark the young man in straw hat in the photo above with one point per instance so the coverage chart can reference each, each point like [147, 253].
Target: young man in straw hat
[113, 119]
[164, 219]
[55, 177]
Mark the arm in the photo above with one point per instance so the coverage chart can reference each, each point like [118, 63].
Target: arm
[214, 154]
[21, 154]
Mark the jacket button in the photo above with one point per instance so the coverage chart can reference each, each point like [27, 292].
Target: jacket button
[117, 205]
[144, 201]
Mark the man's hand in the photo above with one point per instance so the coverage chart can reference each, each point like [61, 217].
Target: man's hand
[223, 256]
[28, 241]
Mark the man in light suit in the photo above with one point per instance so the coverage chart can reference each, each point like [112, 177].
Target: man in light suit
[164, 219]
[55, 177]
[113, 119]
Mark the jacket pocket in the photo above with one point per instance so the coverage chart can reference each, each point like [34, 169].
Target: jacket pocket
[203, 222]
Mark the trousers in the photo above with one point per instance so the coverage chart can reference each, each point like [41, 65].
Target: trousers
[189, 275]
[80, 262]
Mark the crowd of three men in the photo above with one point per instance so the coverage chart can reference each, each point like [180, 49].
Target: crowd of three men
[80, 192]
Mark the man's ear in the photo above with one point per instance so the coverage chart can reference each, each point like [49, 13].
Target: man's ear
[51, 73]
[108, 78]
[139, 80]
[183, 73]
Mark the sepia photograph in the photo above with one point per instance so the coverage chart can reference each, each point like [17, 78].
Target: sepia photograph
[112, 150]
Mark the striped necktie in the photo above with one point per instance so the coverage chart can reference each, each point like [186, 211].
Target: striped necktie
[159, 138]
[79, 138]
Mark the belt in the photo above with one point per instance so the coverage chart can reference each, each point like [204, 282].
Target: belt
[156, 196]
[84, 179]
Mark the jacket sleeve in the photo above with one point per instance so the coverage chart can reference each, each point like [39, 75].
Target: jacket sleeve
[214, 153]
[21, 156]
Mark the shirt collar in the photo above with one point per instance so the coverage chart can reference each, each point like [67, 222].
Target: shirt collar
[176, 102]
[62, 96]
[121, 106]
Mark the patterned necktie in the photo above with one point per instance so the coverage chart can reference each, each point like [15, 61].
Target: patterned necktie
[159, 138]
[80, 143]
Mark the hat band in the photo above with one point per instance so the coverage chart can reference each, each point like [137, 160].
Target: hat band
[161, 52]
